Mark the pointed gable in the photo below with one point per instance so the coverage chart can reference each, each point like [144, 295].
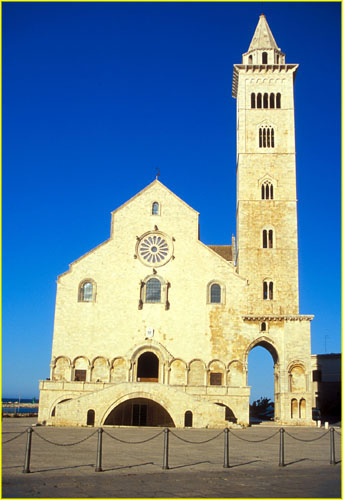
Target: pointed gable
[154, 184]
[155, 206]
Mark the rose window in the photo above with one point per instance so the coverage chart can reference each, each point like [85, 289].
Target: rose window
[154, 249]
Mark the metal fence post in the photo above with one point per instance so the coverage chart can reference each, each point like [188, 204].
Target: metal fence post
[165, 449]
[98, 467]
[26, 468]
[226, 448]
[282, 448]
[332, 446]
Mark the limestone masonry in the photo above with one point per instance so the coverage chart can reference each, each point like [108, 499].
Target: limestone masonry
[153, 327]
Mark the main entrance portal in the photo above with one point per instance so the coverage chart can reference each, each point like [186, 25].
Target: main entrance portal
[147, 369]
[140, 412]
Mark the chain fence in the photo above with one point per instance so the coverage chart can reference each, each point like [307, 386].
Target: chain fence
[307, 440]
[132, 442]
[15, 437]
[65, 444]
[167, 432]
[196, 442]
[254, 440]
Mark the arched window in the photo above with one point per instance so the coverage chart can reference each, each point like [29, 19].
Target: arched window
[265, 101]
[155, 210]
[272, 100]
[267, 191]
[153, 290]
[277, 59]
[267, 238]
[87, 291]
[215, 294]
[253, 100]
[263, 326]
[259, 100]
[250, 60]
[270, 238]
[266, 137]
[264, 58]
[278, 100]
[268, 290]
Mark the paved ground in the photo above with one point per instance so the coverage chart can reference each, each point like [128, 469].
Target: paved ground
[196, 470]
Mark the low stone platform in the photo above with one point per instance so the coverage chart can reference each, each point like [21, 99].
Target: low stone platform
[196, 470]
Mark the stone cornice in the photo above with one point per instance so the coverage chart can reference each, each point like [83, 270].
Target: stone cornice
[295, 317]
[259, 69]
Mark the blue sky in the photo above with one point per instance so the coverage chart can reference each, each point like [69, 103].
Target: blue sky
[96, 96]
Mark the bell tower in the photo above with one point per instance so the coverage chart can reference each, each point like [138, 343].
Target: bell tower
[267, 241]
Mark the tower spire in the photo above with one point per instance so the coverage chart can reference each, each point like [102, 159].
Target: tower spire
[263, 37]
[263, 48]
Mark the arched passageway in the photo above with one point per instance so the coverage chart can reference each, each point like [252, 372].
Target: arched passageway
[263, 377]
[140, 412]
[147, 369]
[229, 415]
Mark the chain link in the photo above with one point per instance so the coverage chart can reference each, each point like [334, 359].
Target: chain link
[132, 442]
[196, 442]
[15, 437]
[253, 440]
[65, 444]
[338, 432]
[307, 440]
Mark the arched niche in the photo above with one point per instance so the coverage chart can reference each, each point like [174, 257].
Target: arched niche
[100, 370]
[197, 373]
[178, 372]
[61, 368]
[236, 373]
[119, 370]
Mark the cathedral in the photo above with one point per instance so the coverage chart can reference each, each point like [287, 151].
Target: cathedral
[153, 327]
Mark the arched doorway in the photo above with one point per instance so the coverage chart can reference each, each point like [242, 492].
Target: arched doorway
[188, 419]
[90, 417]
[147, 368]
[263, 377]
[140, 412]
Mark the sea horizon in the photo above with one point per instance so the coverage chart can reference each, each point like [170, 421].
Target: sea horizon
[16, 399]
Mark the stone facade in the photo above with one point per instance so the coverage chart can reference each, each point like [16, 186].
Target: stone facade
[153, 327]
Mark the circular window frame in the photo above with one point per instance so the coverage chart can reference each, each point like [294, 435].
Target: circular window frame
[151, 249]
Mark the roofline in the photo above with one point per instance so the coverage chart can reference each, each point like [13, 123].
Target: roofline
[82, 257]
